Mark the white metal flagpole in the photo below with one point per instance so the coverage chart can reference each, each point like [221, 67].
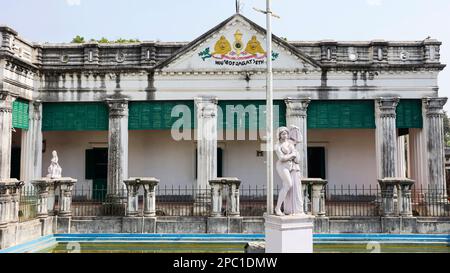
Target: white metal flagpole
[269, 109]
[269, 106]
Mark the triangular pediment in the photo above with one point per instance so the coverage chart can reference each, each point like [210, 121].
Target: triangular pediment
[234, 45]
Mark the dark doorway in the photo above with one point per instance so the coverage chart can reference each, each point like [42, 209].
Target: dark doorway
[97, 170]
[316, 162]
[15, 162]
[219, 162]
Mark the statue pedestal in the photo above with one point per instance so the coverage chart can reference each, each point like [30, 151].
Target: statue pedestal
[289, 234]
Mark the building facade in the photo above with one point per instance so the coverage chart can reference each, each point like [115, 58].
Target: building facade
[366, 110]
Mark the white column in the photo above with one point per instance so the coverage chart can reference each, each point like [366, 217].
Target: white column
[296, 114]
[31, 150]
[6, 103]
[36, 122]
[401, 156]
[150, 197]
[206, 141]
[117, 147]
[417, 165]
[434, 127]
[386, 136]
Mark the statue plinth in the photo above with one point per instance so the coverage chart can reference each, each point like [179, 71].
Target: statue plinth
[289, 234]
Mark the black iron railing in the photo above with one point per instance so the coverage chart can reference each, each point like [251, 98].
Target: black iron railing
[95, 201]
[427, 202]
[182, 201]
[352, 201]
[253, 200]
[340, 201]
[28, 203]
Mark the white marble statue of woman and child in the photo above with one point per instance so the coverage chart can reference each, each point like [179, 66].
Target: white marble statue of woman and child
[288, 168]
[54, 170]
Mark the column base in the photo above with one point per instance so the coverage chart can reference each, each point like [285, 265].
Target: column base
[289, 234]
[65, 214]
[149, 213]
[42, 216]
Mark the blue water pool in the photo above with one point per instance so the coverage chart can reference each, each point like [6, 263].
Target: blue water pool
[228, 243]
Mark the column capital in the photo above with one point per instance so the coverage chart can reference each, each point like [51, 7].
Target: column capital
[117, 107]
[36, 103]
[297, 107]
[387, 106]
[434, 106]
[207, 106]
[6, 101]
[36, 113]
[207, 100]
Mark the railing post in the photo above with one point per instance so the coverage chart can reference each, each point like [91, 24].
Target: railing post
[149, 185]
[233, 192]
[387, 186]
[9, 201]
[132, 186]
[42, 187]
[66, 186]
[216, 197]
[318, 204]
[5, 201]
[318, 195]
[405, 202]
[15, 189]
[306, 198]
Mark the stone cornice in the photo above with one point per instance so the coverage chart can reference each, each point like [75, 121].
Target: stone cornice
[5, 55]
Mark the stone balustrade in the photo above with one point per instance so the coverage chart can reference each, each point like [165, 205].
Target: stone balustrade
[133, 185]
[43, 187]
[317, 195]
[403, 186]
[66, 187]
[217, 187]
[9, 201]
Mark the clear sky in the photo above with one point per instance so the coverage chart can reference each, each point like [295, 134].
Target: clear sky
[184, 20]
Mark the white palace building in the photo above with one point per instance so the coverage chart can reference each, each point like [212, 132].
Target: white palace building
[366, 110]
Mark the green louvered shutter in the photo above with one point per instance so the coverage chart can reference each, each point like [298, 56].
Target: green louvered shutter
[20, 114]
[357, 114]
[77, 116]
[254, 115]
[157, 115]
[409, 114]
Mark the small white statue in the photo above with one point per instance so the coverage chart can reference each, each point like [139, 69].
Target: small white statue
[288, 168]
[54, 170]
